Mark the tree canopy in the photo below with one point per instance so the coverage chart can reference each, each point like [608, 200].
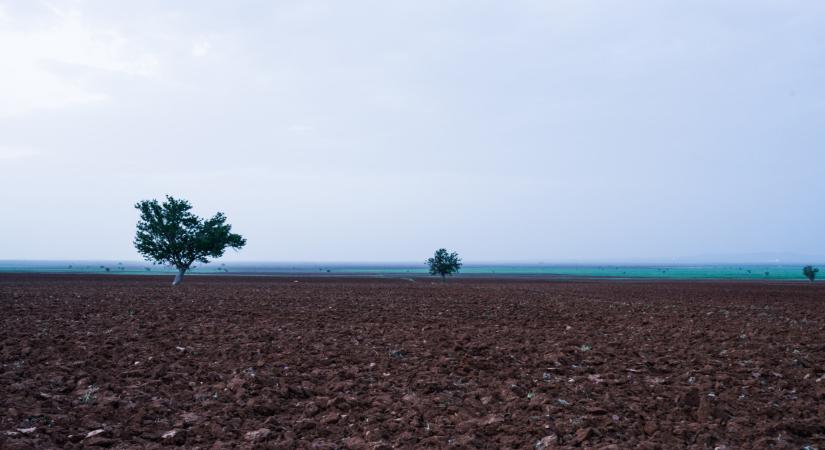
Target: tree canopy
[168, 233]
[444, 263]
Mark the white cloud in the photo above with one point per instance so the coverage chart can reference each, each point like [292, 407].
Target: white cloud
[30, 53]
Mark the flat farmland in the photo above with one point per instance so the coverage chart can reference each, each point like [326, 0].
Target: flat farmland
[268, 362]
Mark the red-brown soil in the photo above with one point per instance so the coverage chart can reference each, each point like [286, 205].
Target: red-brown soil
[349, 363]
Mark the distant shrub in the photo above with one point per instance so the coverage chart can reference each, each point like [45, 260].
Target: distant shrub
[444, 263]
[810, 272]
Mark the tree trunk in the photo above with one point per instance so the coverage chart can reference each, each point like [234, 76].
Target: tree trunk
[179, 277]
[443, 278]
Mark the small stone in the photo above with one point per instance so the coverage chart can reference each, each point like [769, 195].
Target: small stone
[546, 442]
[93, 433]
[175, 436]
[257, 435]
[27, 430]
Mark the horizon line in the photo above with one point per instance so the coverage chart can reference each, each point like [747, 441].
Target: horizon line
[639, 261]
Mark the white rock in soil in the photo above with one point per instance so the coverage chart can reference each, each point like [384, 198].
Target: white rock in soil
[169, 434]
[546, 442]
[93, 433]
[257, 435]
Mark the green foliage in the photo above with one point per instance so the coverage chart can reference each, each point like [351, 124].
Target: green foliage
[444, 263]
[168, 233]
[810, 272]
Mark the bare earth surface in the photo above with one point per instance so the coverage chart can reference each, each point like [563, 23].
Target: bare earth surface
[349, 363]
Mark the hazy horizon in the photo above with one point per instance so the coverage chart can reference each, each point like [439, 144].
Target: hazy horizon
[369, 131]
[710, 260]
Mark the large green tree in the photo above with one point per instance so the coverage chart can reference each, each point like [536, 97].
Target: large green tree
[444, 263]
[168, 233]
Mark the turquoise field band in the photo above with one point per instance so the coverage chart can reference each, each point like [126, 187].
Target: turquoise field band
[668, 272]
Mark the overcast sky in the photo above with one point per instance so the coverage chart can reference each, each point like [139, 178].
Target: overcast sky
[519, 130]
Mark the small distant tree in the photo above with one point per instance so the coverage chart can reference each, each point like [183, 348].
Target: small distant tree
[810, 272]
[444, 263]
[168, 233]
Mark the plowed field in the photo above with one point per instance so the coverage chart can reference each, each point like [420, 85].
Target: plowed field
[367, 363]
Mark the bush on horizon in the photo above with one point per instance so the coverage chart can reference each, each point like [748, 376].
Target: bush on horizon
[444, 263]
[810, 272]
